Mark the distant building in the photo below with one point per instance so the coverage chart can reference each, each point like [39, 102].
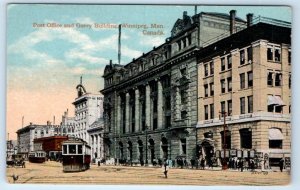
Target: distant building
[26, 135]
[96, 132]
[51, 145]
[11, 148]
[68, 124]
[88, 115]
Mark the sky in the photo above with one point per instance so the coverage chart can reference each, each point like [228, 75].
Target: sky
[45, 62]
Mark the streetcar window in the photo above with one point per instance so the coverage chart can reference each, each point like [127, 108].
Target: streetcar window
[79, 149]
[65, 151]
[72, 149]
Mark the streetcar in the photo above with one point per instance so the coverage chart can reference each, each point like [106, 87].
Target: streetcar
[76, 155]
[37, 156]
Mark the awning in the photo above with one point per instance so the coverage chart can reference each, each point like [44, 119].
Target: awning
[271, 100]
[275, 100]
[275, 134]
[279, 101]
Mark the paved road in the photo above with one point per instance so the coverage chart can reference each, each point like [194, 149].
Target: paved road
[51, 172]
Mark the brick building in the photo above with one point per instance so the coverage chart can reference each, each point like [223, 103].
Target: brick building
[248, 76]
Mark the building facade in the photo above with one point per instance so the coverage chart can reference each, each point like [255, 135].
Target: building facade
[88, 110]
[96, 132]
[67, 125]
[26, 136]
[247, 77]
[150, 109]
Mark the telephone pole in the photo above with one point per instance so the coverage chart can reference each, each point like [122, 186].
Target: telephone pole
[224, 164]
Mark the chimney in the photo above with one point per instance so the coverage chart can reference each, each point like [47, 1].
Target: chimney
[184, 14]
[67, 112]
[232, 21]
[249, 19]
[110, 62]
[30, 123]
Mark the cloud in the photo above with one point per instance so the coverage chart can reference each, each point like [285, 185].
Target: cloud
[151, 40]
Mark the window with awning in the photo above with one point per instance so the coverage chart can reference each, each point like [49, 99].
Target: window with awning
[275, 134]
[275, 102]
[275, 138]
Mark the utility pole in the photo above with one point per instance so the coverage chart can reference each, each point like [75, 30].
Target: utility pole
[224, 164]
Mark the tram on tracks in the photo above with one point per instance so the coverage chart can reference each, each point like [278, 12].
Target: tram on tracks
[37, 156]
[76, 155]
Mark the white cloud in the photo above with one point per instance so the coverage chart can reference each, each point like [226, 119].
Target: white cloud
[151, 40]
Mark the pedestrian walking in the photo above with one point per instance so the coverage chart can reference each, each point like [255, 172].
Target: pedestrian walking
[281, 163]
[166, 169]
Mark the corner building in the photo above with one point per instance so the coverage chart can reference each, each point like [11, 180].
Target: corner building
[150, 105]
[248, 76]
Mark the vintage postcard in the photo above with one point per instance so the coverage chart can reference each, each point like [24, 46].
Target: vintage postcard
[148, 94]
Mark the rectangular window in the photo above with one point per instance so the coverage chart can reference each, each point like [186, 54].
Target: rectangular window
[229, 84]
[270, 54]
[242, 105]
[65, 150]
[229, 107]
[250, 79]
[242, 57]
[270, 108]
[223, 86]
[242, 80]
[206, 90]
[278, 79]
[250, 104]
[229, 61]
[212, 111]
[183, 146]
[79, 149]
[168, 102]
[206, 70]
[211, 65]
[168, 121]
[223, 64]
[72, 149]
[249, 52]
[270, 79]
[289, 57]
[275, 144]
[211, 86]
[246, 138]
[183, 115]
[206, 112]
[277, 54]
[223, 106]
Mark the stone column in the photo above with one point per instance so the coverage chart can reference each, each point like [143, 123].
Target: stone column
[118, 123]
[148, 106]
[137, 109]
[159, 105]
[98, 146]
[127, 113]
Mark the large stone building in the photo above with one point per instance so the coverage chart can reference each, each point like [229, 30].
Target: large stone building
[247, 76]
[150, 104]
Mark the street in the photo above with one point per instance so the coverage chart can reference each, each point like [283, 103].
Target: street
[51, 172]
